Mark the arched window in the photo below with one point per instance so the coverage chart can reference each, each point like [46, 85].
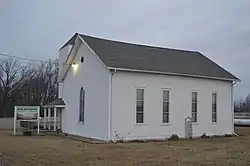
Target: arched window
[81, 107]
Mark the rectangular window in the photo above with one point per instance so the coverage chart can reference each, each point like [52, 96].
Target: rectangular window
[165, 107]
[214, 107]
[194, 106]
[139, 105]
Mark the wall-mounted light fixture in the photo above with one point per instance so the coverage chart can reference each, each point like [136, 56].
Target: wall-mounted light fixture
[75, 68]
[74, 65]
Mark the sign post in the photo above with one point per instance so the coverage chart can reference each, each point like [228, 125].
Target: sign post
[27, 113]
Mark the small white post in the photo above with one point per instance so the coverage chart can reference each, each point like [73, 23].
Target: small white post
[38, 121]
[55, 109]
[15, 120]
[44, 117]
[59, 116]
[49, 116]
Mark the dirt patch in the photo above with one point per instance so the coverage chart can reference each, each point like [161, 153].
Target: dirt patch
[244, 131]
[54, 150]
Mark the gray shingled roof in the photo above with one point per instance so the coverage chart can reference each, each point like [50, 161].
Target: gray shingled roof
[58, 101]
[141, 57]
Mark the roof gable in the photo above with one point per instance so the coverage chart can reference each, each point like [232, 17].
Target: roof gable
[71, 41]
[140, 57]
[135, 57]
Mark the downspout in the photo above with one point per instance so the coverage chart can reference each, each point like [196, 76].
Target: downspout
[232, 107]
[112, 73]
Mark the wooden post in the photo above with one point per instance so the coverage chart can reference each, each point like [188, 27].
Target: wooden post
[59, 115]
[44, 117]
[55, 109]
[49, 116]
[38, 121]
[15, 120]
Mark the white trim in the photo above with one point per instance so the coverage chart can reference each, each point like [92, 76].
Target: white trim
[197, 105]
[80, 101]
[81, 123]
[170, 73]
[55, 119]
[165, 124]
[15, 117]
[49, 117]
[140, 124]
[110, 108]
[196, 90]
[38, 120]
[92, 51]
[216, 102]
[143, 123]
[232, 107]
[75, 49]
[44, 118]
[140, 87]
[54, 106]
[60, 106]
[71, 48]
[166, 88]
[162, 103]
[112, 73]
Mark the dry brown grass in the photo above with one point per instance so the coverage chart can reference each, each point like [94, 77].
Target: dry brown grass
[53, 150]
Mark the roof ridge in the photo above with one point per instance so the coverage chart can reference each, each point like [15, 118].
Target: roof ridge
[137, 44]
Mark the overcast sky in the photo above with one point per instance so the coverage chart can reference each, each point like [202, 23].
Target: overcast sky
[220, 29]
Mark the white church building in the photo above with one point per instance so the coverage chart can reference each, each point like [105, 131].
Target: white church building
[116, 90]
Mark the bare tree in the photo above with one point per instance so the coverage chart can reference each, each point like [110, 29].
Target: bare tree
[26, 85]
[43, 87]
[46, 77]
[236, 106]
[13, 77]
[247, 101]
[242, 105]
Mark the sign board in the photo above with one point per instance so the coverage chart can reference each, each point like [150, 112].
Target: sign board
[26, 113]
[188, 128]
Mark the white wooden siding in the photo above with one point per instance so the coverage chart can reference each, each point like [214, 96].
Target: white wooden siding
[124, 86]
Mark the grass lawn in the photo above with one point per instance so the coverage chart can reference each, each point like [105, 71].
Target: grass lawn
[53, 150]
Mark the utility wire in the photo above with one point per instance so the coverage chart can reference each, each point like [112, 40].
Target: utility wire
[23, 58]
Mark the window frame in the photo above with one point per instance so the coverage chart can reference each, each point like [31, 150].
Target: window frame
[167, 113]
[215, 105]
[81, 106]
[143, 106]
[194, 111]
